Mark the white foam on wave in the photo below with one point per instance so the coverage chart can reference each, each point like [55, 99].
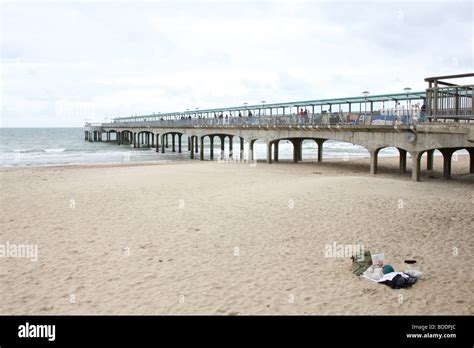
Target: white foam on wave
[23, 150]
[54, 150]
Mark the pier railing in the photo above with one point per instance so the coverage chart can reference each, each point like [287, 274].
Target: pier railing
[453, 102]
[446, 100]
[390, 117]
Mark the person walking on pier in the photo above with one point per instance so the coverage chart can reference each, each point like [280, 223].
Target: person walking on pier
[301, 116]
[423, 112]
[250, 117]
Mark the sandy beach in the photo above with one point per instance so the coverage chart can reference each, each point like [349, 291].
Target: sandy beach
[230, 238]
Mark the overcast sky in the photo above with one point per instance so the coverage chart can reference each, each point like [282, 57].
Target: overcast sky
[63, 63]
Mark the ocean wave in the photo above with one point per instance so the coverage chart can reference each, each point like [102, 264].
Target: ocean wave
[25, 150]
[54, 150]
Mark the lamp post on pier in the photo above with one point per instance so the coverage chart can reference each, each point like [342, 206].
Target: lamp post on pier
[407, 91]
[366, 94]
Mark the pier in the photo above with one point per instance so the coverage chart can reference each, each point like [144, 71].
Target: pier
[416, 123]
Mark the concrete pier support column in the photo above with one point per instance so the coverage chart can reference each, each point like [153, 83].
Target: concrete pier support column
[447, 156]
[373, 160]
[222, 146]
[471, 159]
[300, 149]
[191, 153]
[119, 138]
[231, 145]
[157, 142]
[429, 159]
[179, 142]
[201, 153]
[189, 143]
[152, 135]
[173, 148]
[196, 147]
[251, 154]
[269, 152]
[320, 143]
[296, 148]
[402, 161]
[415, 165]
[163, 137]
[295, 155]
[275, 150]
[211, 148]
[134, 136]
[166, 140]
[99, 134]
[138, 140]
[242, 149]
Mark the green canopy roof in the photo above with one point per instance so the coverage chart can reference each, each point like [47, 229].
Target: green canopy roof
[306, 103]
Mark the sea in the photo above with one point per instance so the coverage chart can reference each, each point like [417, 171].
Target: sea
[66, 146]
